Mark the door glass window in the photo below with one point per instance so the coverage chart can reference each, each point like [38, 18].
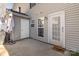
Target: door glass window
[56, 28]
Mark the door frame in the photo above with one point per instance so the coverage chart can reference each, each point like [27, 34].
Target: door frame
[62, 35]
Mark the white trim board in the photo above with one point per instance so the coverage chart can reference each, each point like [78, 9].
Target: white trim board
[62, 37]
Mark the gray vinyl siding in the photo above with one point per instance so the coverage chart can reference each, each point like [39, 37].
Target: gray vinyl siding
[71, 22]
[17, 27]
[72, 27]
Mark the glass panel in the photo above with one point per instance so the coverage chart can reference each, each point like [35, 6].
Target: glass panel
[41, 32]
[41, 22]
[56, 28]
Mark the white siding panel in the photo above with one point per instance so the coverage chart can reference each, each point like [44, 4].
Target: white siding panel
[72, 27]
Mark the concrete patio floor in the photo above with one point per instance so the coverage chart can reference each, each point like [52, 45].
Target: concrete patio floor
[28, 47]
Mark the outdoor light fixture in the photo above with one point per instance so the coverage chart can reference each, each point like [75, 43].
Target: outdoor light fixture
[46, 18]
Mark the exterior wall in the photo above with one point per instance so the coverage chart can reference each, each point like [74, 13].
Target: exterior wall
[71, 22]
[17, 28]
[24, 7]
[2, 9]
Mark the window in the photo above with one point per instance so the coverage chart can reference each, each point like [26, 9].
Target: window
[41, 32]
[41, 27]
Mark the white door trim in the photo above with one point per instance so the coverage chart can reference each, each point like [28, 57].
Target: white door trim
[62, 37]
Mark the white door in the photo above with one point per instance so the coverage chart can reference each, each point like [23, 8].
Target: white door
[56, 28]
[24, 28]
